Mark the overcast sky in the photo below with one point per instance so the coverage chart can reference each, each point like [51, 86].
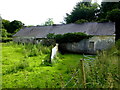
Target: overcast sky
[36, 12]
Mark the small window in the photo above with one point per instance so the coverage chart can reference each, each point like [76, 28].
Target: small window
[91, 45]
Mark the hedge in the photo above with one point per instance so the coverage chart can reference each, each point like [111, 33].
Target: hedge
[68, 37]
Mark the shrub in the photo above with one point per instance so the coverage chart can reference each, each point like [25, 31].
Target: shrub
[46, 61]
[68, 37]
[48, 42]
[81, 21]
[50, 35]
[31, 50]
[9, 35]
[103, 20]
[6, 39]
[4, 32]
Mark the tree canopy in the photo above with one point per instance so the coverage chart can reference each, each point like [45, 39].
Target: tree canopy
[82, 10]
[113, 15]
[49, 22]
[5, 24]
[107, 7]
[15, 25]
[11, 27]
[111, 12]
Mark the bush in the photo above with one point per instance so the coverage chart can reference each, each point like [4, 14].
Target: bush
[48, 42]
[47, 61]
[68, 37]
[6, 39]
[31, 50]
[103, 20]
[4, 32]
[9, 35]
[81, 21]
[50, 35]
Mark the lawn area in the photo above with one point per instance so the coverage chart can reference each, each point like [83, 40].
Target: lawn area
[25, 71]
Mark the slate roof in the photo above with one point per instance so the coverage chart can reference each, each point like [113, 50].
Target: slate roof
[91, 28]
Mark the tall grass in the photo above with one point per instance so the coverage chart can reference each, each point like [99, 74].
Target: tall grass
[36, 49]
[27, 72]
[22, 69]
[29, 49]
[14, 63]
[103, 71]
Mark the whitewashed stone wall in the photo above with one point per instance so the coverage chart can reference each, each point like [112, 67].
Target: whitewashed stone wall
[89, 46]
[24, 40]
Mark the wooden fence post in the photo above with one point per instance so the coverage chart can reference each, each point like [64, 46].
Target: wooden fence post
[83, 73]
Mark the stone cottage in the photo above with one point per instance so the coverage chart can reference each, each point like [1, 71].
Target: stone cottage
[103, 36]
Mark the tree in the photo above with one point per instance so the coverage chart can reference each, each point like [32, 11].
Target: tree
[83, 10]
[5, 24]
[4, 32]
[114, 16]
[111, 12]
[106, 7]
[11, 27]
[49, 22]
[15, 25]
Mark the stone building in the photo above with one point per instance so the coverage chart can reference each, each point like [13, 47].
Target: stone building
[103, 36]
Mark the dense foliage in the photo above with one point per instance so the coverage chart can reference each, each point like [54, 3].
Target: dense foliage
[12, 26]
[92, 12]
[68, 37]
[9, 28]
[107, 7]
[114, 15]
[81, 21]
[4, 32]
[49, 22]
[83, 10]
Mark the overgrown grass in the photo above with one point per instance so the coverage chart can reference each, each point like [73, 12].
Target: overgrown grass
[103, 71]
[22, 67]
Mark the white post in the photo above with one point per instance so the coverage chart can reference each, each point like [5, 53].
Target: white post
[54, 51]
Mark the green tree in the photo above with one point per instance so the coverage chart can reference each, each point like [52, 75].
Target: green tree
[4, 32]
[15, 25]
[11, 27]
[114, 16]
[106, 7]
[49, 22]
[83, 10]
[5, 24]
[110, 11]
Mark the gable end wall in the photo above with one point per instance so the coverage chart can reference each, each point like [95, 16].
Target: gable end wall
[89, 46]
